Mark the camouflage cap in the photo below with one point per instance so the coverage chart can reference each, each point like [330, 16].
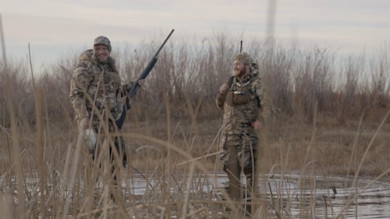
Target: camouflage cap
[102, 40]
[244, 58]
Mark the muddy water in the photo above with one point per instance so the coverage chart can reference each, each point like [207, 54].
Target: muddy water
[293, 196]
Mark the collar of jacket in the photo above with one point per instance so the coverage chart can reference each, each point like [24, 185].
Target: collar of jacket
[247, 77]
[89, 55]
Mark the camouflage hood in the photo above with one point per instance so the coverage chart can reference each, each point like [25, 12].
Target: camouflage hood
[254, 69]
[244, 58]
[89, 56]
[247, 60]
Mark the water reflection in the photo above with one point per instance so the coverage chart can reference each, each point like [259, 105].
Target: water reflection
[322, 196]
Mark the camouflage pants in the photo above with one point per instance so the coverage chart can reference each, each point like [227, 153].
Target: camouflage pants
[118, 141]
[239, 155]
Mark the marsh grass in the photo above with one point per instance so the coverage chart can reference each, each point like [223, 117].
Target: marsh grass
[329, 119]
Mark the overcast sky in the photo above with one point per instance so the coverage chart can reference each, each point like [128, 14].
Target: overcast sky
[58, 28]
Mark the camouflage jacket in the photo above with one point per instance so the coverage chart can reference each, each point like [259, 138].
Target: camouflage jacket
[245, 101]
[96, 87]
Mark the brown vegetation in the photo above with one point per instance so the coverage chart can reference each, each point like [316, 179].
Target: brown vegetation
[329, 117]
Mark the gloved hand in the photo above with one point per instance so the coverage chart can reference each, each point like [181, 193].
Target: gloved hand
[90, 139]
[127, 87]
[223, 89]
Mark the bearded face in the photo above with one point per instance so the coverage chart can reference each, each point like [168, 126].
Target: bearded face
[102, 52]
[239, 68]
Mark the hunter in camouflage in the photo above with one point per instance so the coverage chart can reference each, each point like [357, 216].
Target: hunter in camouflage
[96, 92]
[244, 102]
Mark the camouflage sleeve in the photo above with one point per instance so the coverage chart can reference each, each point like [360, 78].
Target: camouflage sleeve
[78, 87]
[265, 102]
[220, 100]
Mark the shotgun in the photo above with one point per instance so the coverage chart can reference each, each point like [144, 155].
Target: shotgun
[133, 90]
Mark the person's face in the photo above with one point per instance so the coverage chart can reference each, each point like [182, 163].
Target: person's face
[239, 68]
[102, 53]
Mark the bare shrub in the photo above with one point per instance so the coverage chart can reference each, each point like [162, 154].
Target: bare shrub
[190, 71]
[313, 82]
[379, 71]
[15, 78]
[279, 79]
[348, 97]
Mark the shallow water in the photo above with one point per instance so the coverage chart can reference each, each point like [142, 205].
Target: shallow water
[290, 195]
[294, 195]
